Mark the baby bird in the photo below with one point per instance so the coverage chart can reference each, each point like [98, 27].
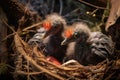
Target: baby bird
[54, 25]
[85, 46]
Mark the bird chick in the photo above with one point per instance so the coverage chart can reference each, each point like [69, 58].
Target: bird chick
[85, 46]
[54, 25]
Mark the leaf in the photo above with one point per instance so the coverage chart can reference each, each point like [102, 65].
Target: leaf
[114, 13]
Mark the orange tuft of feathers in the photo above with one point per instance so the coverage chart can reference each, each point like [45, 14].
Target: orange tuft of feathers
[47, 25]
[68, 33]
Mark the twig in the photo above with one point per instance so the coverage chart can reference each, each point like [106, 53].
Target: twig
[18, 61]
[108, 78]
[74, 20]
[9, 26]
[98, 7]
[28, 73]
[117, 51]
[61, 6]
[11, 67]
[28, 70]
[98, 70]
[94, 11]
[32, 26]
[96, 76]
[38, 54]
[8, 36]
[68, 14]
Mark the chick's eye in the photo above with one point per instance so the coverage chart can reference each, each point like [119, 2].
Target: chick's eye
[76, 35]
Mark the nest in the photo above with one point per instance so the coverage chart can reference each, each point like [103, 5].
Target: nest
[33, 64]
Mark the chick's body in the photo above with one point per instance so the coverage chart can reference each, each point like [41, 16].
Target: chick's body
[49, 37]
[53, 47]
[53, 36]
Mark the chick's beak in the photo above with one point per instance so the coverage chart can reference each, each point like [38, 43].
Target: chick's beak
[64, 42]
[67, 40]
[47, 33]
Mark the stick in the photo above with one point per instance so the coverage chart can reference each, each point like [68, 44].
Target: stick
[92, 5]
[32, 26]
[30, 73]
[61, 6]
